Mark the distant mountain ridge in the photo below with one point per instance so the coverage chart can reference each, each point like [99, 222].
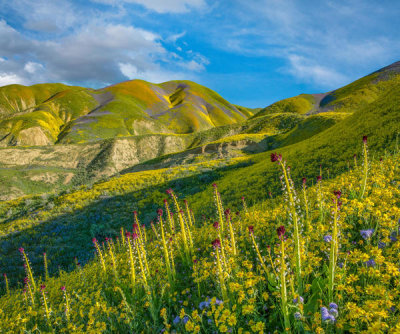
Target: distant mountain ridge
[47, 114]
[346, 99]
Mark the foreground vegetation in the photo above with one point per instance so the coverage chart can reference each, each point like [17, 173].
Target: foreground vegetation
[323, 258]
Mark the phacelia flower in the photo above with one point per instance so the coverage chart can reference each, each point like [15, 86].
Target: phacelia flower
[337, 193]
[216, 243]
[297, 315]
[276, 157]
[176, 320]
[370, 263]
[333, 305]
[298, 299]
[328, 238]
[281, 231]
[366, 234]
[326, 316]
[204, 305]
[334, 312]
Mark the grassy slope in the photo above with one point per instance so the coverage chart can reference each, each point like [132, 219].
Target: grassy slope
[252, 176]
[100, 302]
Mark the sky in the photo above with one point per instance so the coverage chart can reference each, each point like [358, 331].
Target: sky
[252, 52]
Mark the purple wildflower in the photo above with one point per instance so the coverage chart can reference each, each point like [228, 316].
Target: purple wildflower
[328, 238]
[296, 300]
[370, 263]
[326, 316]
[366, 234]
[333, 305]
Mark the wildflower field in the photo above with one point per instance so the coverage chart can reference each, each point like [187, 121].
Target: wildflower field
[321, 259]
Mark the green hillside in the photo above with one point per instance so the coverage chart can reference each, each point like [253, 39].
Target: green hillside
[189, 274]
[53, 113]
[235, 156]
[137, 125]
[98, 155]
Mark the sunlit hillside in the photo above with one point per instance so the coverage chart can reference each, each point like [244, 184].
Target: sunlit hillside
[322, 258]
[82, 136]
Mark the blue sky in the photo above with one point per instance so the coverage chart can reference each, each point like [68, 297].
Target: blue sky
[252, 52]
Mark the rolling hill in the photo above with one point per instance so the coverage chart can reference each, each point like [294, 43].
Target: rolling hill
[55, 137]
[71, 192]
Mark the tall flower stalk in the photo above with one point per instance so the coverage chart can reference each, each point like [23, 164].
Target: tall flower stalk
[46, 271]
[184, 236]
[122, 232]
[165, 247]
[99, 252]
[231, 231]
[169, 217]
[142, 261]
[295, 217]
[6, 283]
[334, 245]
[319, 197]
[220, 209]
[217, 245]
[260, 258]
[284, 298]
[67, 309]
[307, 224]
[46, 306]
[28, 268]
[131, 260]
[365, 167]
[221, 241]
[110, 246]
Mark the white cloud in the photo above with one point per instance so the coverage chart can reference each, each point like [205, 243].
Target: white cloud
[9, 79]
[310, 71]
[318, 40]
[32, 67]
[163, 6]
[92, 56]
[45, 16]
[193, 65]
[173, 38]
[154, 75]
